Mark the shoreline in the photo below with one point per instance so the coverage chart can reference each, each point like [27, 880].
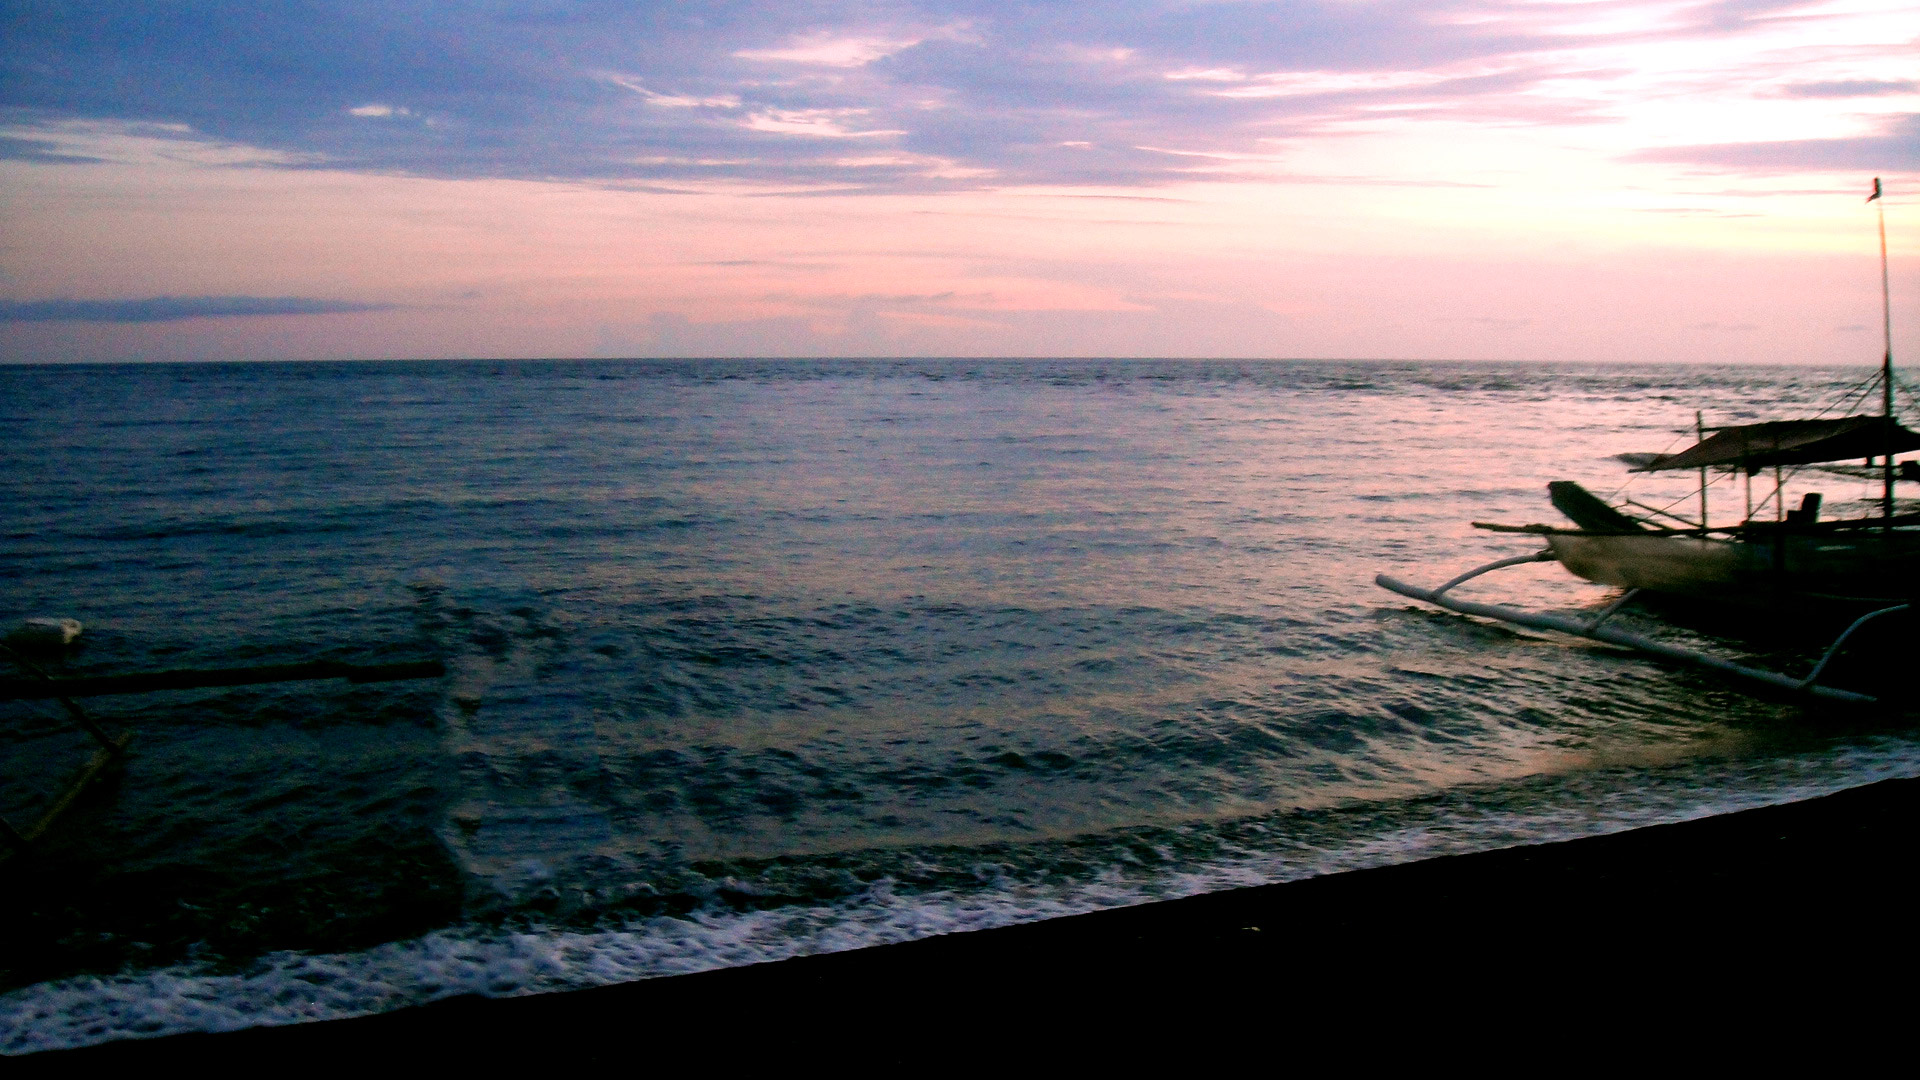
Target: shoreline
[1712, 907]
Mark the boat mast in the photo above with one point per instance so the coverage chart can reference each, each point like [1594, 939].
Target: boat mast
[1886, 360]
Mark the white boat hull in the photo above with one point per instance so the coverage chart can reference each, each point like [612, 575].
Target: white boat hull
[1863, 565]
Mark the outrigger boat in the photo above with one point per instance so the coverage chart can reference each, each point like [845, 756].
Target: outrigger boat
[53, 634]
[1869, 565]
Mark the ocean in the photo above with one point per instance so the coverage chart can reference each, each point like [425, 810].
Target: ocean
[755, 659]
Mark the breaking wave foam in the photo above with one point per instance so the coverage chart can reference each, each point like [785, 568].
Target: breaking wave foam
[291, 987]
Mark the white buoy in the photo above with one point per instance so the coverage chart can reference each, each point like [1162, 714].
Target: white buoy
[45, 633]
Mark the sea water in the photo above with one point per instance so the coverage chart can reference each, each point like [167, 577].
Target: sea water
[755, 659]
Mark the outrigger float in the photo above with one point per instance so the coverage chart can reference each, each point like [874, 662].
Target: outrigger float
[1869, 565]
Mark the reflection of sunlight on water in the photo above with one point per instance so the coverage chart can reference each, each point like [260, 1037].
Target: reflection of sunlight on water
[1722, 744]
[1001, 635]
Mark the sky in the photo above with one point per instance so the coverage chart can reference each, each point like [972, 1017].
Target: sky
[1587, 180]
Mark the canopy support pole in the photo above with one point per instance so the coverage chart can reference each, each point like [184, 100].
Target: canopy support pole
[1886, 358]
[1700, 436]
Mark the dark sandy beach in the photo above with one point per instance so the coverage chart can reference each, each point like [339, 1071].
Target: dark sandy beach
[1792, 908]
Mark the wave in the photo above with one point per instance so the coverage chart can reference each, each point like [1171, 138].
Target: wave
[295, 987]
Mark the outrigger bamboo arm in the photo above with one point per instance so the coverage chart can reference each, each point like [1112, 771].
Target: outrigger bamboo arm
[114, 748]
[197, 678]
[103, 758]
[111, 751]
[1595, 629]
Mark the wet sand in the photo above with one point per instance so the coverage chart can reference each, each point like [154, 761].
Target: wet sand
[1795, 907]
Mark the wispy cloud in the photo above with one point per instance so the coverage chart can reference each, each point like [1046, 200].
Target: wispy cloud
[1897, 148]
[174, 308]
[962, 93]
[1851, 88]
[818, 123]
[828, 49]
[17, 148]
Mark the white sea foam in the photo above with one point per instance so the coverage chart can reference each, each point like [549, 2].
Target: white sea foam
[290, 988]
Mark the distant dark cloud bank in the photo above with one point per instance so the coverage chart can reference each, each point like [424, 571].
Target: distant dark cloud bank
[173, 308]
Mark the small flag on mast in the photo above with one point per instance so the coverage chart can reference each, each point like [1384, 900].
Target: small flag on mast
[1876, 190]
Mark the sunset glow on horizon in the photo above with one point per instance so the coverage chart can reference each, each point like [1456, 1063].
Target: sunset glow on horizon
[1592, 181]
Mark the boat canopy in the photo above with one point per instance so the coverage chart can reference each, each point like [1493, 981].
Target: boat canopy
[1791, 442]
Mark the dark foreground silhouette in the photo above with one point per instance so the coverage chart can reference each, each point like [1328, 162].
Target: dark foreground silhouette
[1793, 922]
